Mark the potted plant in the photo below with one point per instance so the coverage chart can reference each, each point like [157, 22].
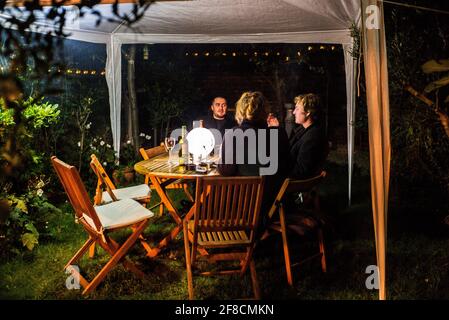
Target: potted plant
[128, 174]
[127, 161]
[100, 146]
[123, 175]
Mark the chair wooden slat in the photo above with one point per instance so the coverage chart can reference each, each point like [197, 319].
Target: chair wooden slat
[203, 218]
[209, 236]
[251, 205]
[226, 206]
[295, 186]
[242, 234]
[152, 152]
[228, 210]
[210, 214]
[240, 205]
[216, 206]
[235, 203]
[223, 203]
[246, 204]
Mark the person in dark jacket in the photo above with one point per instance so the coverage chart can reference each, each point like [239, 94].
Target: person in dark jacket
[218, 118]
[308, 144]
[268, 157]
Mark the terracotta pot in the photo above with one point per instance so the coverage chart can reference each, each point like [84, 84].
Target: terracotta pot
[116, 177]
[128, 174]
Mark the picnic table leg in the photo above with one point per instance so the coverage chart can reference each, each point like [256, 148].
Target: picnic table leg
[175, 215]
[164, 199]
[164, 242]
[172, 211]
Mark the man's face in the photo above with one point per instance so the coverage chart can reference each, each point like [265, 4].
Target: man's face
[219, 108]
[300, 115]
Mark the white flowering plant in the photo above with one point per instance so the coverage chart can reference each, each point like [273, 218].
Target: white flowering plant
[104, 151]
[144, 139]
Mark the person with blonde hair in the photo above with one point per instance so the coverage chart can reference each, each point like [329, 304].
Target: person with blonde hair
[242, 151]
[256, 147]
[309, 145]
[251, 107]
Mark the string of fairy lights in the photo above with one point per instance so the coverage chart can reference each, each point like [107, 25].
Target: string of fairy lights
[255, 53]
[77, 72]
[70, 71]
[223, 54]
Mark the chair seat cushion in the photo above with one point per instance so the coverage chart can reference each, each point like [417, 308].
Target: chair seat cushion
[139, 192]
[120, 213]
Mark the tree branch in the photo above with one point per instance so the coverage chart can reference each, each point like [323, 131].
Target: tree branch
[443, 116]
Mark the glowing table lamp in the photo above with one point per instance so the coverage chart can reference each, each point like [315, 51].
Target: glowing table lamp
[201, 142]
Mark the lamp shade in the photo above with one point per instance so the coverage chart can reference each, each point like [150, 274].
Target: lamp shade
[201, 142]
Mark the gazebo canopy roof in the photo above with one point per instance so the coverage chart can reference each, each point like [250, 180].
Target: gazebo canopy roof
[325, 21]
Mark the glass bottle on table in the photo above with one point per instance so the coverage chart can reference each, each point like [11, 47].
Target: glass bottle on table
[184, 148]
[201, 125]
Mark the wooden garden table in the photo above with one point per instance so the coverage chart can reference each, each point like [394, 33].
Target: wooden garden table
[162, 175]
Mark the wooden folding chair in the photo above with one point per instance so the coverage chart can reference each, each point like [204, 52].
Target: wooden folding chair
[153, 152]
[99, 222]
[301, 221]
[106, 191]
[225, 218]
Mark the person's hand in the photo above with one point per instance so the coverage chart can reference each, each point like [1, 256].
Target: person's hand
[272, 121]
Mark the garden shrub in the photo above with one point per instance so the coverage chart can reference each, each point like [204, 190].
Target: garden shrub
[22, 192]
[28, 220]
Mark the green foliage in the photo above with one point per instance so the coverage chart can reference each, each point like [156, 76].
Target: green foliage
[25, 220]
[41, 114]
[28, 219]
[6, 117]
[36, 114]
[128, 156]
[29, 240]
[356, 36]
[37, 117]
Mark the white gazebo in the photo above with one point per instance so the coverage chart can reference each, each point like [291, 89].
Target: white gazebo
[264, 21]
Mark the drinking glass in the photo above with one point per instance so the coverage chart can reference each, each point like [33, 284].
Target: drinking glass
[169, 145]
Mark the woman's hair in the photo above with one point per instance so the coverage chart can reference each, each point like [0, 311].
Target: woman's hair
[311, 103]
[251, 106]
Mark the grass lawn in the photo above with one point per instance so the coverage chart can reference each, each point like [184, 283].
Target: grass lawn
[417, 262]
